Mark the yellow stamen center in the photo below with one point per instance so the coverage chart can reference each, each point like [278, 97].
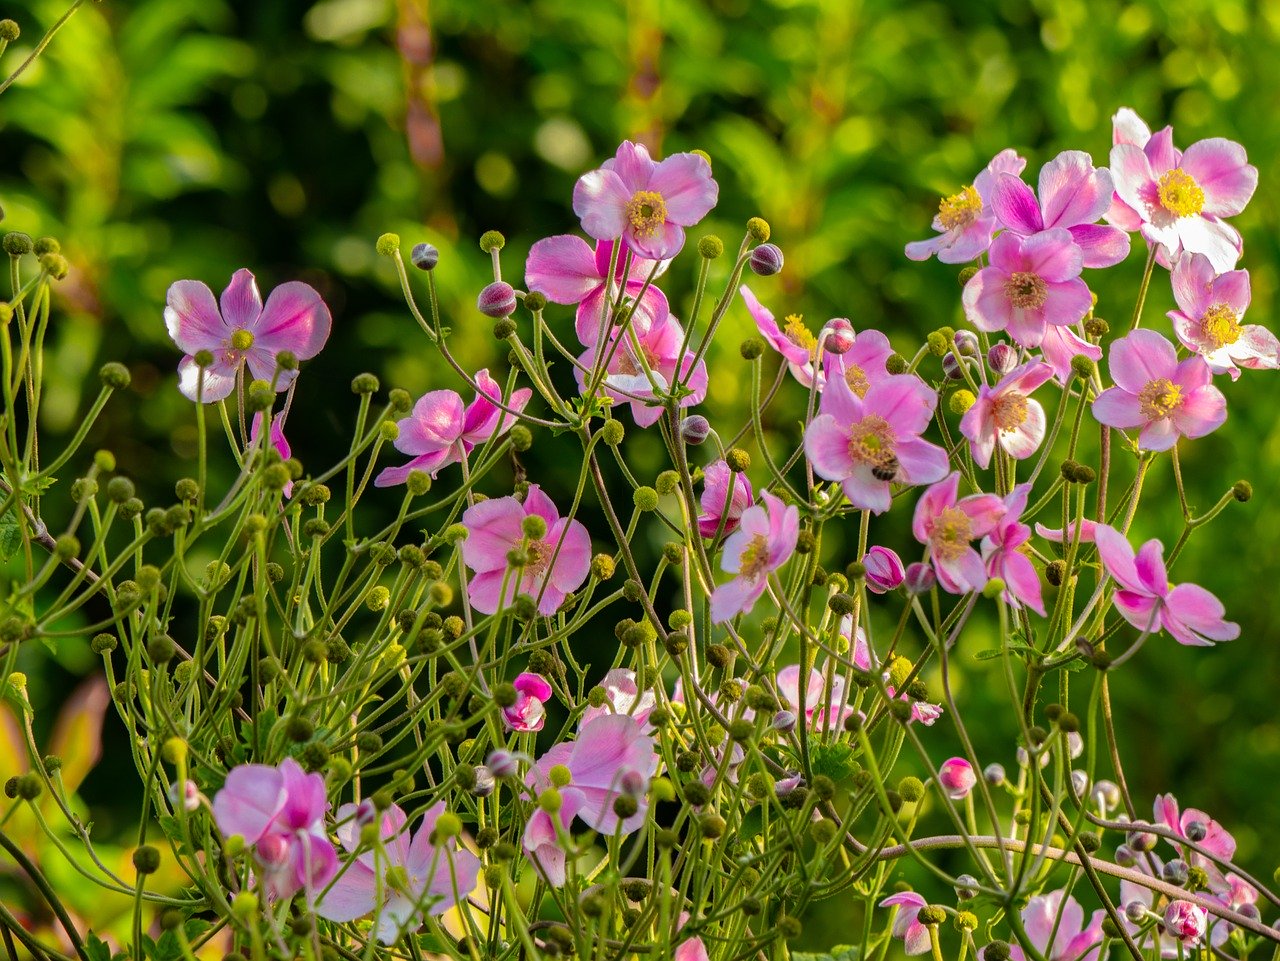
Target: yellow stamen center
[1025, 290]
[960, 210]
[646, 212]
[1009, 412]
[871, 442]
[1160, 398]
[856, 378]
[241, 340]
[755, 559]
[952, 532]
[794, 330]
[539, 554]
[1180, 194]
[1220, 325]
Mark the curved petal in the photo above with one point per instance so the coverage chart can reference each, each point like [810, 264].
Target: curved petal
[240, 302]
[1100, 245]
[1222, 170]
[1025, 439]
[562, 268]
[219, 381]
[1015, 205]
[684, 180]
[295, 318]
[826, 444]
[191, 316]
[1072, 192]
[1140, 358]
[1117, 557]
[600, 199]
[1201, 412]
[1053, 255]
[906, 402]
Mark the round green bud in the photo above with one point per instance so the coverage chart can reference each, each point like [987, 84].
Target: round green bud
[696, 793]
[1069, 722]
[961, 401]
[739, 460]
[504, 328]
[937, 344]
[758, 229]
[534, 527]
[632, 590]
[550, 801]
[389, 430]
[896, 364]
[114, 375]
[1096, 328]
[119, 489]
[624, 806]
[16, 243]
[602, 567]
[387, 245]
[911, 789]
[146, 859]
[46, 245]
[931, 914]
[1055, 572]
[103, 643]
[789, 928]
[299, 729]
[668, 482]
[162, 649]
[711, 825]
[710, 247]
[260, 397]
[287, 360]
[313, 495]
[612, 432]
[28, 787]
[967, 274]
[104, 460]
[645, 499]
[448, 825]
[841, 604]
[741, 730]
[364, 384]
[187, 489]
[824, 787]
[521, 438]
[492, 240]
[66, 547]
[752, 348]
[1242, 491]
[9, 31]
[997, 951]
[400, 400]
[1083, 367]
[534, 301]
[719, 656]
[204, 358]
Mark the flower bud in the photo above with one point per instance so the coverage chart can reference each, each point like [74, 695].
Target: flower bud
[966, 887]
[765, 260]
[1002, 358]
[920, 578]
[994, 774]
[1176, 872]
[9, 30]
[951, 366]
[1079, 783]
[883, 570]
[424, 256]
[1186, 921]
[498, 300]
[114, 375]
[957, 778]
[387, 244]
[185, 794]
[710, 247]
[695, 429]
[492, 240]
[961, 401]
[1141, 840]
[16, 243]
[146, 859]
[784, 722]
[840, 335]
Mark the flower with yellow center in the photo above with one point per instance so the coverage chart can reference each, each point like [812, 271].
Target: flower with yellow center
[871, 442]
[1009, 411]
[1180, 194]
[646, 212]
[1160, 398]
[857, 380]
[241, 340]
[1220, 326]
[800, 335]
[960, 209]
[754, 560]
[952, 532]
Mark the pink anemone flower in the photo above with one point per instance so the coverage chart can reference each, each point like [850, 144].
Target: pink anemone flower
[645, 203]
[622, 695]
[1003, 551]
[965, 221]
[527, 713]
[797, 344]
[947, 525]
[431, 878]
[906, 923]
[824, 708]
[884, 570]
[718, 503]
[1211, 836]
[556, 563]
[440, 431]
[1145, 598]
[866, 443]
[1211, 307]
[1055, 924]
[921, 711]
[862, 365]
[242, 332]
[1006, 415]
[1168, 399]
[764, 541]
[1073, 195]
[656, 347]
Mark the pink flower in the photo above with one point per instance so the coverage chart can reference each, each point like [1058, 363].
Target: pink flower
[279, 811]
[607, 750]
[868, 442]
[1073, 195]
[717, 502]
[1209, 835]
[823, 708]
[647, 204]
[966, 221]
[763, 542]
[1081, 530]
[947, 525]
[1186, 921]
[659, 347]
[906, 924]
[1211, 307]
[429, 878]
[527, 713]
[557, 563]
[278, 441]
[566, 271]
[1033, 283]
[1145, 598]
[294, 319]
[1006, 415]
[921, 711]
[862, 365]
[1178, 197]
[440, 431]
[794, 341]
[1167, 399]
[1057, 929]
[690, 949]
[1002, 550]
[622, 696]
[957, 778]
[884, 570]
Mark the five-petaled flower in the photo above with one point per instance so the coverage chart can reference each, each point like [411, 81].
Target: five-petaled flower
[1006, 415]
[1209, 318]
[948, 524]
[1055, 924]
[965, 221]
[764, 541]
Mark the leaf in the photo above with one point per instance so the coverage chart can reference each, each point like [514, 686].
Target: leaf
[836, 761]
[10, 534]
[841, 952]
[95, 949]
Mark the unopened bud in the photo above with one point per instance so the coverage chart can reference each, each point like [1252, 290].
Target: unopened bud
[920, 578]
[766, 260]
[695, 429]
[498, 300]
[840, 335]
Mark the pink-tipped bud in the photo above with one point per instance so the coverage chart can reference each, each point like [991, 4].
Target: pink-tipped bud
[840, 335]
[272, 849]
[957, 778]
[788, 784]
[1002, 358]
[498, 300]
[633, 782]
[884, 570]
[185, 794]
[695, 429]
[1186, 921]
[1079, 783]
[503, 764]
[784, 722]
[920, 578]
[967, 343]
[366, 813]
[485, 782]
[766, 260]
[951, 366]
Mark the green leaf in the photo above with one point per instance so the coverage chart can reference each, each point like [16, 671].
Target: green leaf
[10, 534]
[95, 949]
[836, 761]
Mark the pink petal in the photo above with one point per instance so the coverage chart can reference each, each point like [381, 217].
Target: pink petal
[1140, 358]
[219, 381]
[1067, 302]
[983, 510]
[1132, 176]
[241, 303]
[353, 895]
[1022, 580]
[1118, 558]
[904, 401]
[685, 183]
[1216, 239]
[600, 200]
[986, 305]
[1128, 127]
[664, 244]
[1158, 435]
[1202, 612]
[633, 165]
[1100, 245]
[1149, 564]
[867, 492]
[1118, 408]
[1201, 412]
[1140, 610]
[562, 268]
[1025, 439]
[840, 402]
[192, 319]
[733, 598]
[1072, 192]
[250, 800]
[1192, 279]
[1015, 205]
[1222, 170]
[1232, 288]
[494, 529]
[1053, 255]
[1161, 153]
[979, 426]
[295, 319]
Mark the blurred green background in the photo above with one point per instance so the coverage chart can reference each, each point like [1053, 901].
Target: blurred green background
[163, 139]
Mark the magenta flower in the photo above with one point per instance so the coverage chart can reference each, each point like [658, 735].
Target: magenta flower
[656, 347]
[1057, 929]
[622, 696]
[884, 570]
[440, 431]
[956, 777]
[1178, 198]
[868, 442]
[966, 221]
[1145, 598]
[556, 563]
[794, 341]
[428, 878]
[906, 924]
[278, 441]
[565, 270]
[763, 542]
[1073, 195]
[1210, 835]
[823, 708]
[528, 713]
[1003, 550]
[947, 525]
[1082, 530]
[1211, 307]
[1186, 921]
[1167, 399]
[645, 203]
[1032, 283]
[718, 503]
[279, 811]
[243, 331]
[1006, 415]
[862, 365]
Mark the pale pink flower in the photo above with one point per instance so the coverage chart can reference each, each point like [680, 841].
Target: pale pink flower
[1186, 921]
[823, 708]
[645, 203]
[884, 570]
[1032, 283]
[1213, 837]
[797, 344]
[440, 431]
[430, 878]
[279, 811]
[763, 542]
[1145, 598]
[1155, 392]
[557, 563]
[965, 221]
[718, 503]
[527, 713]
[243, 331]
[1211, 307]
[690, 949]
[565, 270]
[862, 365]
[656, 347]
[956, 777]
[948, 524]
[906, 924]
[1081, 531]
[1006, 415]
[1073, 195]
[278, 441]
[866, 443]
[1003, 551]
[1061, 345]
[622, 695]
[1055, 924]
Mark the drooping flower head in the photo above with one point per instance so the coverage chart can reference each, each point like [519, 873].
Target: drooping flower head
[278, 441]
[528, 713]
[764, 541]
[1003, 552]
[1168, 399]
[1209, 318]
[555, 565]
[1195, 825]
[1006, 415]
[965, 220]
[957, 778]
[1058, 929]
[242, 331]
[884, 570]
[647, 204]
[948, 524]
[906, 923]
[797, 344]
[717, 502]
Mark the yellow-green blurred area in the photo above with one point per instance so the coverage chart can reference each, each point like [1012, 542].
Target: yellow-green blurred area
[168, 139]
